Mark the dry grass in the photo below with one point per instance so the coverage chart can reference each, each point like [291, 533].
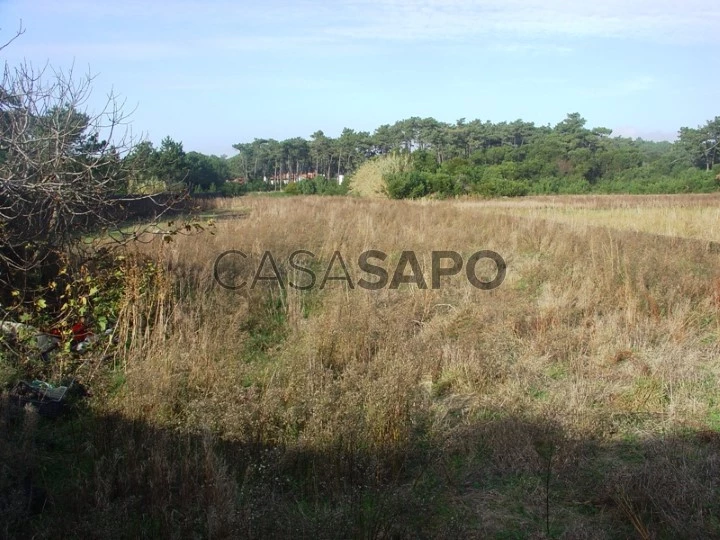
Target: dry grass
[685, 216]
[405, 413]
[368, 181]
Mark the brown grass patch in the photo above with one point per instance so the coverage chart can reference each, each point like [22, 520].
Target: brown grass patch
[436, 412]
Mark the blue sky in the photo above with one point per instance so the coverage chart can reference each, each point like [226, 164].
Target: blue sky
[212, 74]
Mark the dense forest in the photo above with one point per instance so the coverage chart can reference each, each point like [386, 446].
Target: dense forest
[485, 158]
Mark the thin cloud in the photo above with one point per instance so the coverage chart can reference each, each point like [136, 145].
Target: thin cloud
[534, 49]
[623, 88]
[693, 20]
[303, 22]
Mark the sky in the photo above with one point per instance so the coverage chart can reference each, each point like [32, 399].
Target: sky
[215, 73]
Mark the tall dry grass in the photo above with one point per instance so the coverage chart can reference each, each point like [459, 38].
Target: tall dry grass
[368, 180]
[577, 400]
[686, 216]
[598, 338]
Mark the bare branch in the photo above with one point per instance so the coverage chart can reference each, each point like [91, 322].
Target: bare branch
[20, 31]
[61, 165]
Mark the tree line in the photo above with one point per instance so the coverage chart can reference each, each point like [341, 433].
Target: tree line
[521, 158]
[504, 158]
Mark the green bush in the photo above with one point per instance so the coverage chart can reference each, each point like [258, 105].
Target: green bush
[408, 185]
[484, 175]
[292, 189]
[643, 180]
[497, 187]
[317, 186]
[233, 189]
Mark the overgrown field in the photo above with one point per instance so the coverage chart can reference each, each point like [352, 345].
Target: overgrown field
[579, 399]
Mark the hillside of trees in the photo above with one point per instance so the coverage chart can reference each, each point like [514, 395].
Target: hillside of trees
[467, 157]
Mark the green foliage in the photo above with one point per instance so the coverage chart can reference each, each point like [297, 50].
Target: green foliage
[501, 159]
[203, 171]
[702, 145]
[156, 170]
[646, 180]
[90, 292]
[492, 181]
[564, 186]
[95, 295]
[292, 189]
[408, 185]
[456, 166]
[316, 186]
[171, 164]
[259, 185]
[424, 161]
[233, 189]
[498, 187]
[509, 160]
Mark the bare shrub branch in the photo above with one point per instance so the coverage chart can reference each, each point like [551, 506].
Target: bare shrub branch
[62, 170]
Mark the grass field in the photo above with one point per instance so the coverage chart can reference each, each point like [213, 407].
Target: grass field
[579, 399]
[684, 216]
